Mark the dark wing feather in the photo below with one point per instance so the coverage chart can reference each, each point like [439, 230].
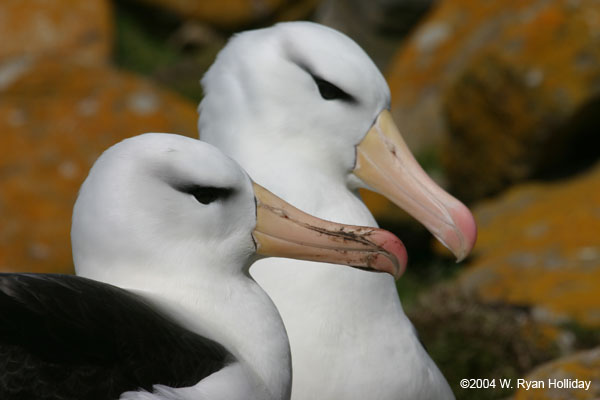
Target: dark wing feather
[67, 337]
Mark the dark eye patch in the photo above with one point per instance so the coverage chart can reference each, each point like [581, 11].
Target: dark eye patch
[206, 194]
[329, 91]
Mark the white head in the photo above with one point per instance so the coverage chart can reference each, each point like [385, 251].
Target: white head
[156, 203]
[303, 97]
[279, 85]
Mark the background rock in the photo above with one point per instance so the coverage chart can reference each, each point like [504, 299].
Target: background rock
[510, 89]
[539, 246]
[582, 366]
[55, 120]
[76, 30]
[468, 338]
[378, 26]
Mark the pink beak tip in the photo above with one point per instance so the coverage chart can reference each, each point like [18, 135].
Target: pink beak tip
[397, 257]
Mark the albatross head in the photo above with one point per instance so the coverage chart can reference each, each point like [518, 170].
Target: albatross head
[298, 89]
[301, 96]
[159, 207]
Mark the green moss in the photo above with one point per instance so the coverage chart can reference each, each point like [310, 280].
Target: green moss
[144, 45]
[585, 337]
[142, 38]
[430, 160]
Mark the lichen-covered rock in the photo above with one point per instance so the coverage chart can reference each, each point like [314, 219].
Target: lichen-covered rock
[539, 246]
[71, 29]
[378, 26]
[584, 366]
[236, 14]
[55, 121]
[511, 89]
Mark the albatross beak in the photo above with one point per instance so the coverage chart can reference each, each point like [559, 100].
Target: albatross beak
[284, 231]
[384, 162]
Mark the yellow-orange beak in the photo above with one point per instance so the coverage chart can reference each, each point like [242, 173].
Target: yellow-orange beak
[384, 162]
[284, 231]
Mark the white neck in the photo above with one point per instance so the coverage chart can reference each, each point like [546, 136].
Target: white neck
[237, 313]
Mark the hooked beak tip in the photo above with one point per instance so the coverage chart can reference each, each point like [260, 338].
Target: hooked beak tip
[394, 258]
[464, 232]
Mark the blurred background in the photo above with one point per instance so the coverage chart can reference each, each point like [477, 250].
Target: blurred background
[499, 100]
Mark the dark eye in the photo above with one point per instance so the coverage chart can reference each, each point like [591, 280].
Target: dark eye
[331, 92]
[207, 194]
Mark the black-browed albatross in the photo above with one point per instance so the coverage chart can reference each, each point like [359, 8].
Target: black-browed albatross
[306, 112]
[164, 230]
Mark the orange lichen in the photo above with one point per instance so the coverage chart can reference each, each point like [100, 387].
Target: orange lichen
[496, 84]
[56, 120]
[76, 30]
[417, 66]
[582, 366]
[538, 245]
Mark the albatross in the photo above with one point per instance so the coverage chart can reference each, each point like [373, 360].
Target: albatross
[305, 111]
[164, 230]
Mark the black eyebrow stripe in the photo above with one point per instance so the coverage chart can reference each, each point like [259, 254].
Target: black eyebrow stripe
[347, 97]
[219, 193]
[340, 94]
[189, 188]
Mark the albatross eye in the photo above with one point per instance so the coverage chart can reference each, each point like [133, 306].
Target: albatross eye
[331, 92]
[207, 194]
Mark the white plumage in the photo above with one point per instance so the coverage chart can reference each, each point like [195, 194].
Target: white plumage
[134, 229]
[266, 106]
